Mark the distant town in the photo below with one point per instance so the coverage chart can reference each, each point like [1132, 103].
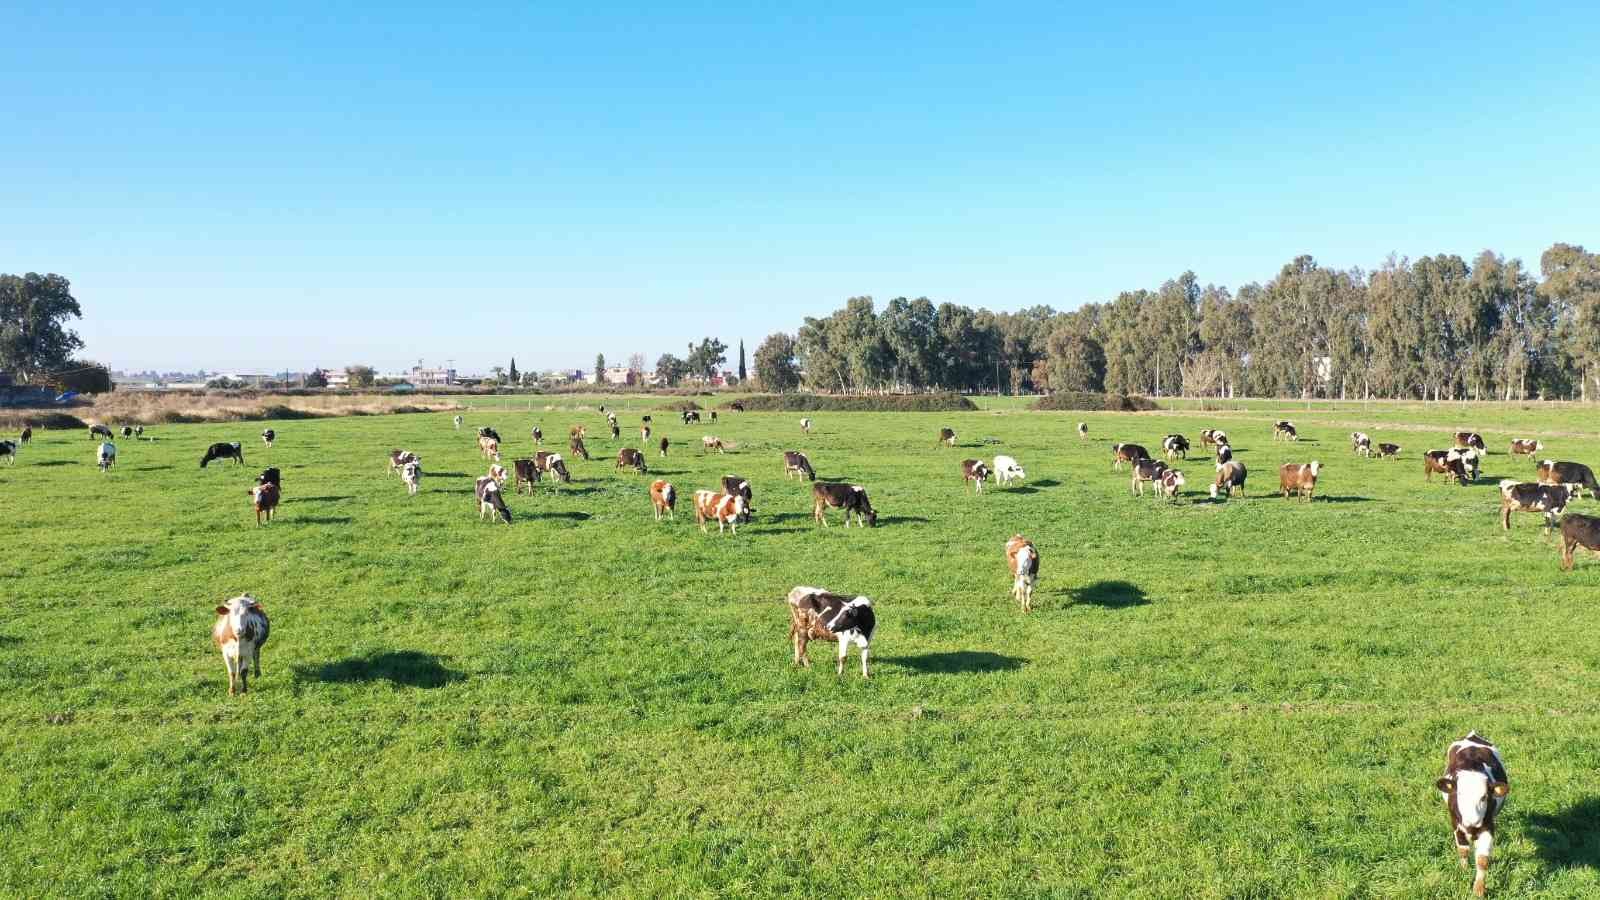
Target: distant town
[415, 378]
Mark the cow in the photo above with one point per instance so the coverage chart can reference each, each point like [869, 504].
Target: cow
[538, 436]
[578, 431]
[1549, 499]
[1474, 787]
[1007, 470]
[138, 431]
[727, 509]
[399, 458]
[1175, 445]
[411, 474]
[852, 498]
[1284, 431]
[8, 449]
[736, 406]
[735, 485]
[805, 425]
[1083, 430]
[664, 444]
[1211, 437]
[489, 447]
[553, 465]
[223, 451]
[710, 442]
[1023, 561]
[644, 434]
[795, 463]
[99, 431]
[1230, 478]
[1471, 439]
[271, 476]
[106, 455]
[1168, 483]
[1361, 444]
[1578, 529]
[240, 632]
[818, 615]
[1299, 478]
[27, 434]
[487, 432]
[1390, 450]
[1126, 453]
[616, 433]
[576, 448]
[713, 417]
[646, 419]
[1525, 447]
[629, 457]
[458, 423]
[975, 471]
[1576, 474]
[264, 498]
[525, 472]
[490, 503]
[1471, 460]
[664, 498]
[1224, 455]
[1145, 470]
[690, 416]
[1446, 462]
[947, 437]
[498, 473]
[268, 436]
[127, 431]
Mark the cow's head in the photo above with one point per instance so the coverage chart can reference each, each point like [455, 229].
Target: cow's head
[237, 608]
[1314, 468]
[1471, 793]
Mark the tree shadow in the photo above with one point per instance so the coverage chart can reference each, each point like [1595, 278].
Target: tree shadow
[332, 498]
[402, 668]
[1110, 594]
[1569, 838]
[324, 520]
[58, 462]
[957, 662]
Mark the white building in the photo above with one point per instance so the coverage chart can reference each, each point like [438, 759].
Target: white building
[422, 377]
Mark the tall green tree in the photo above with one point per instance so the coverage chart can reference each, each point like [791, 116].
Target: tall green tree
[512, 375]
[743, 374]
[776, 366]
[34, 310]
[599, 368]
[1572, 285]
[707, 356]
[361, 376]
[671, 369]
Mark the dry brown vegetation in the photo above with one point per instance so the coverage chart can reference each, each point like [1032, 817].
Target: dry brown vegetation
[172, 407]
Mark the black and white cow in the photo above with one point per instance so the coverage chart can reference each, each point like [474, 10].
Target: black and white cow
[1474, 786]
[1576, 474]
[1389, 450]
[1224, 454]
[1361, 444]
[796, 463]
[223, 451]
[268, 436]
[1175, 445]
[490, 503]
[1284, 431]
[106, 456]
[8, 449]
[1549, 499]
[818, 615]
[628, 457]
[736, 486]
[99, 431]
[1145, 470]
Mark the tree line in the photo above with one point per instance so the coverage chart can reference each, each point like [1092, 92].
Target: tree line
[1431, 328]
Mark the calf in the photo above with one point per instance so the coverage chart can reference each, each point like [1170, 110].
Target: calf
[1549, 499]
[1299, 478]
[458, 423]
[223, 451]
[1006, 470]
[271, 476]
[796, 463]
[1389, 450]
[1525, 447]
[127, 431]
[805, 425]
[1284, 431]
[1474, 787]
[1083, 430]
[138, 431]
[852, 498]
[629, 457]
[1168, 484]
[490, 503]
[1230, 479]
[1360, 444]
[690, 417]
[733, 484]
[106, 456]
[538, 436]
[576, 447]
[726, 509]
[646, 419]
[268, 436]
[1577, 475]
[616, 432]
[399, 458]
[498, 473]
[489, 447]
[487, 432]
[239, 632]
[817, 615]
[1445, 462]
[265, 499]
[1175, 445]
[1224, 454]
[578, 431]
[8, 449]
[947, 437]
[100, 431]
[709, 442]
[664, 444]
[1578, 529]
[553, 465]
[1024, 562]
[1471, 439]
[1126, 453]
[27, 433]
[664, 497]
[1145, 470]
[1471, 460]
[644, 434]
[736, 406]
[411, 474]
[713, 417]
[525, 472]
[1210, 437]
[975, 471]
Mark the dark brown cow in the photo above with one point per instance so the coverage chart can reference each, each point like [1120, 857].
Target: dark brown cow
[629, 457]
[734, 485]
[527, 473]
[852, 498]
[1578, 530]
[664, 445]
[1549, 499]
[1576, 474]
[1175, 445]
[947, 437]
[1447, 463]
[1474, 786]
[1126, 453]
[796, 463]
[1145, 470]
[576, 447]
[27, 434]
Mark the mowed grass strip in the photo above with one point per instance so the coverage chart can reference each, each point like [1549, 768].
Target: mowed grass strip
[1211, 699]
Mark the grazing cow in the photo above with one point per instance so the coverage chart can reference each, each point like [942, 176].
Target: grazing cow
[458, 423]
[1175, 445]
[852, 498]
[1224, 454]
[221, 450]
[975, 471]
[271, 476]
[127, 431]
[817, 615]
[1390, 450]
[538, 436]
[1230, 478]
[138, 431]
[711, 443]
[1007, 470]
[106, 456]
[1361, 444]
[489, 447]
[646, 419]
[1471, 439]
[1549, 499]
[1299, 478]
[490, 503]
[1577, 475]
[578, 431]
[399, 458]
[628, 456]
[487, 432]
[1126, 453]
[615, 431]
[1471, 460]
[239, 632]
[1525, 447]
[690, 416]
[27, 433]
[498, 473]
[411, 474]
[1284, 431]
[8, 449]
[265, 499]
[1168, 484]
[1024, 562]
[1446, 462]
[526, 472]
[664, 444]
[100, 431]
[805, 425]
[644, 434]
[1145, 469]
[1474, 787]
[734, 484]
[1211, 437]
[1083, 430]
[796, 463]
[1578, 529]
[664, 497]
[553, 465]
[576, 448]
[727, 509]
[268, 436]
[947, 437]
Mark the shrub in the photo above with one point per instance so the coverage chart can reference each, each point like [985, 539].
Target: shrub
[1085, 400]
[942, 402]
[684, 406]
[53, 421]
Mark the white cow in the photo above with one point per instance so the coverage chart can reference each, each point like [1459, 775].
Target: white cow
[106, 457]
[1006, 470]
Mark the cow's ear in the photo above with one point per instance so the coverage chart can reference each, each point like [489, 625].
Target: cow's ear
[1501, 789]
[1446, 785]
[222, 610]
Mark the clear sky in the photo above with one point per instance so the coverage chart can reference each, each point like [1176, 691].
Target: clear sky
[329, 183]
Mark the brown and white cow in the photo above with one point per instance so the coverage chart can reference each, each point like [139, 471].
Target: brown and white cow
[578, 431]
[1126, 453]
[1284, 431]
[725, 509]
[1474, 787]
[1299, 478]
[818, 615]
[796, 463]
[975, 471]
[1548, 499]
[576, 447]
[664, 498]
[1145, 470]
[1471, 439]
[1529, 447]
[1023, 559]
[644, 434]
[852, 498]
[628, 457]
[1208, 437]
[947, 437]
[398, 459]
[553, 465]
[1230, 480]
[1445, 462]
[711, 442]
[538, 436]
[264, 497]
[239, 632]
[734, 484]
[1578, 475]
[489, 447]
[1578, 530]
[527, 472]
[8, 449]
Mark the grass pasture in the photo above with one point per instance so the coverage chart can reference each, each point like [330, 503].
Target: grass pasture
[1242, 699]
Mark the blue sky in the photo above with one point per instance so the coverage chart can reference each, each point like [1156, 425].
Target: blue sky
[352, 182]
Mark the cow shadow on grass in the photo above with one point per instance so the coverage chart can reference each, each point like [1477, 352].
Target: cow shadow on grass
[151, 468]
[1110, 594]
[902, 520]
[402, 668]
[1019, 489]
[1046, 483]
[58, 462]
[787, 517]
[324, 520]
[1568, 838]
[1329, 498]
[957, 662]
[428, 474]
[570, 516]
[331, 498]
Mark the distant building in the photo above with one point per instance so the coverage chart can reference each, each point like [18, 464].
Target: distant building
[337, 378]
[622, 375]
[422, 377]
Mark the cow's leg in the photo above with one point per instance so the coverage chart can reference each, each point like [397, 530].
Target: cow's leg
[1483, 847]
[864, 651]
[227, 665]
[844, 649]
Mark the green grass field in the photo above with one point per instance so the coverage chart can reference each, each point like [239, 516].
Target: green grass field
[1244, 699]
